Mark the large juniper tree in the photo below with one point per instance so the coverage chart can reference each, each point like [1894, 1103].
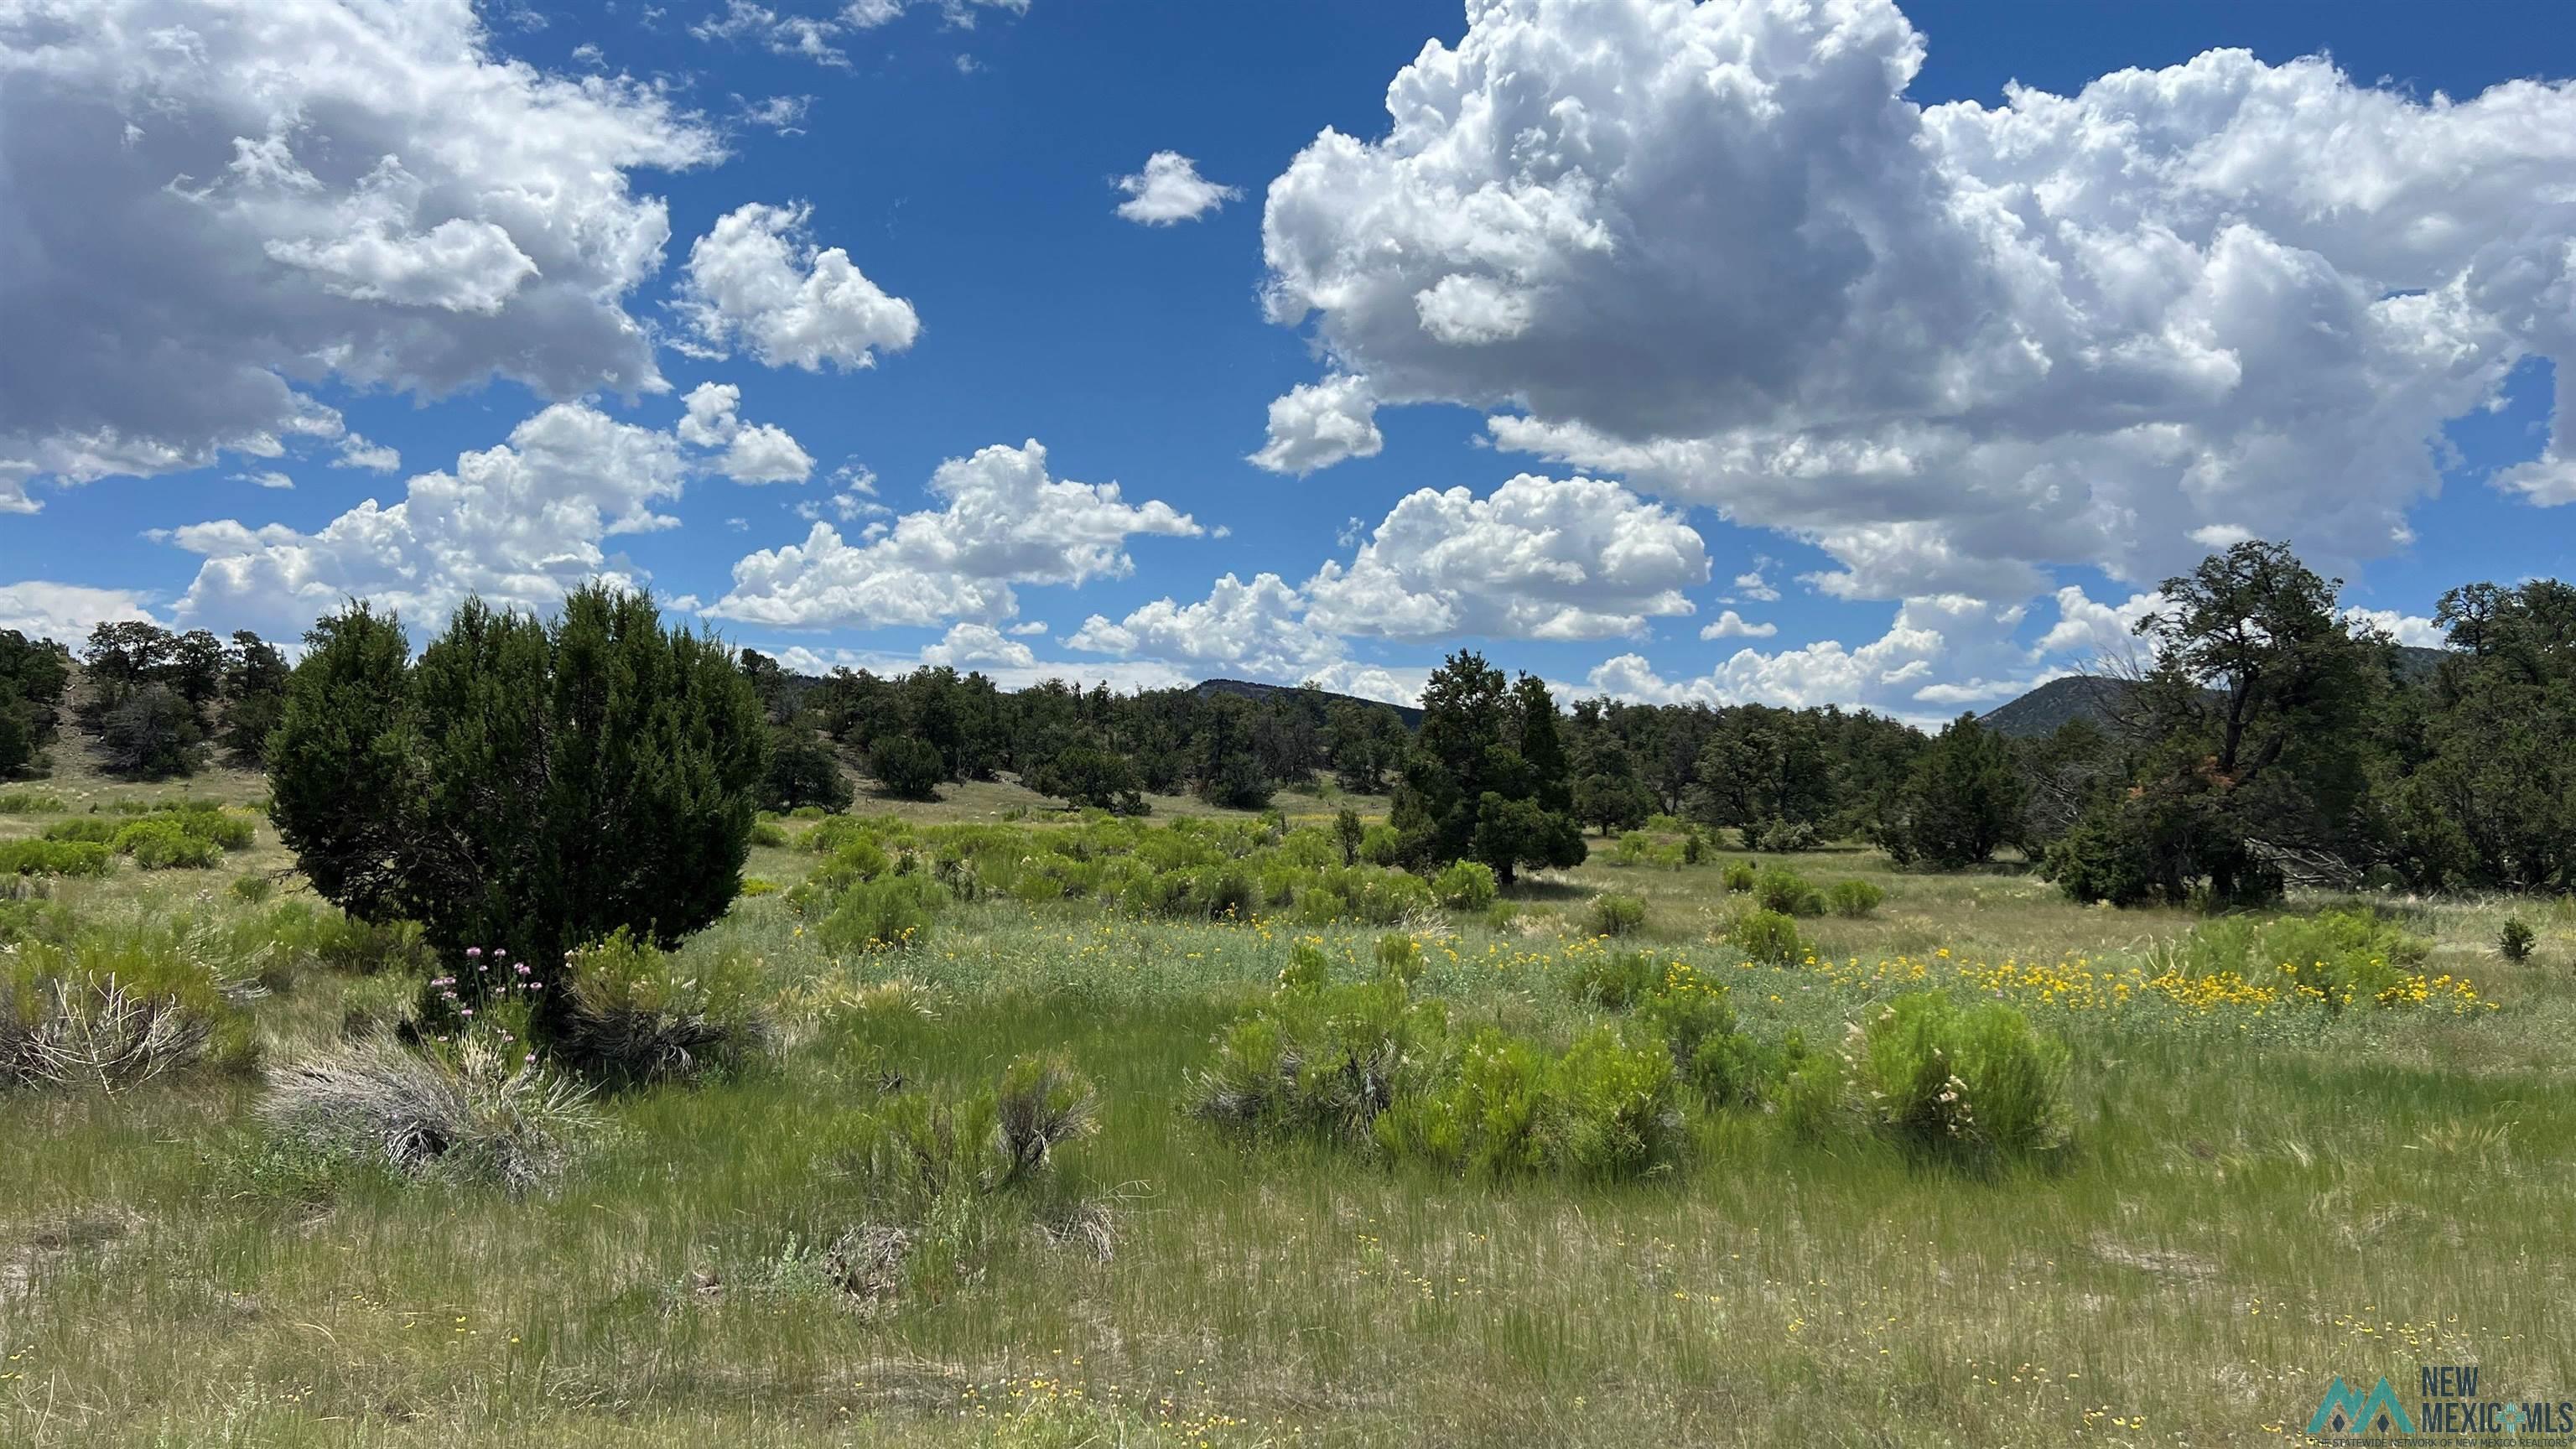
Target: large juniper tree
[528, 785]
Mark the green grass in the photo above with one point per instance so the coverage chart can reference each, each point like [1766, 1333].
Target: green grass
[2251, 1204]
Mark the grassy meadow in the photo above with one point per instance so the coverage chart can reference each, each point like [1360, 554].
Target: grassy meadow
[2259, 1193]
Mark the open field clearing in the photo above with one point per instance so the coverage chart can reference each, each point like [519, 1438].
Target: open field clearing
[2257, 1192]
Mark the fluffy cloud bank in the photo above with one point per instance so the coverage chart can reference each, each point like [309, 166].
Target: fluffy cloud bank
[1001, 521]
[1715, 247]
[520, 523]
[213, 207]
[1538, 558]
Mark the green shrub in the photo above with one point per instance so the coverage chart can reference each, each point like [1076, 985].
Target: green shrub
[213, 824]
[769, 833]
[1399, 958]
[2337, 958]
[373, 948]
[253, 887]
[907, 768]
[1466, 885]
[1602, 1109]
[1782, 837]
[1716, 1059]
[1616, 915]
[1616, 981]
[1694, 845]
[640, 1016]
[888, 913]
[1977, 1082]
[158, 843]
[91, 829]
[1324, 1061]
[942, 1180]
[2516, 939]
[1737, 877]
[857, 860]
[1770, 938]
[1853, 898]
[1381, 845]
[55, 857]
[31, 802]
[115, 1007]
[1778, 888]
[1308, 968]
[753, 887]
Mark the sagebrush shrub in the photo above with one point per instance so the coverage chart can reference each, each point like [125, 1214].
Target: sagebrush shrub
[886, 914]
[1466, 885]
[1777, 888]
[639, 1015]
[158, 842]
[55, 857]
[1769, 937]
[1961, 1081]
[1616, 915]
[1853, 898]
[1602, 1109]
[1737, 877]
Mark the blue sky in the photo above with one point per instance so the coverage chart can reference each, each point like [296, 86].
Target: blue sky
[1810, 390]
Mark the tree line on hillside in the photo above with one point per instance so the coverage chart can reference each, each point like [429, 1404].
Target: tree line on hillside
[155, 700]
[2266, 738]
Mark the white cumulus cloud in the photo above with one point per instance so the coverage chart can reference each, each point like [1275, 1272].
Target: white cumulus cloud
[1538, 558]
[66, 612]
[1318, 424]
[757, 281]
[1717, 248]
[1169, 190]
[1001, 520]
[214, 207]
[520, 523]
[1731, 625]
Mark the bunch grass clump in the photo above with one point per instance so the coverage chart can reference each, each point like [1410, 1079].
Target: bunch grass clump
[639, 1015]
[1616, 915]
[482, 1113]
[939, 1179]
[1322, 1060]
[116, 1006]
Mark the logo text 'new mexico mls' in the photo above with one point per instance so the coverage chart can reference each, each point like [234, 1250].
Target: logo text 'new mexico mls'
[2345, 1409]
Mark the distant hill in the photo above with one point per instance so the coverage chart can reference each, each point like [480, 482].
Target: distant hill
[2092, 696]
[2054, 704]
[1254, 690]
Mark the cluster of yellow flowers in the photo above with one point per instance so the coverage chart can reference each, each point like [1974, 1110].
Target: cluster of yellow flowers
[2077, 983]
